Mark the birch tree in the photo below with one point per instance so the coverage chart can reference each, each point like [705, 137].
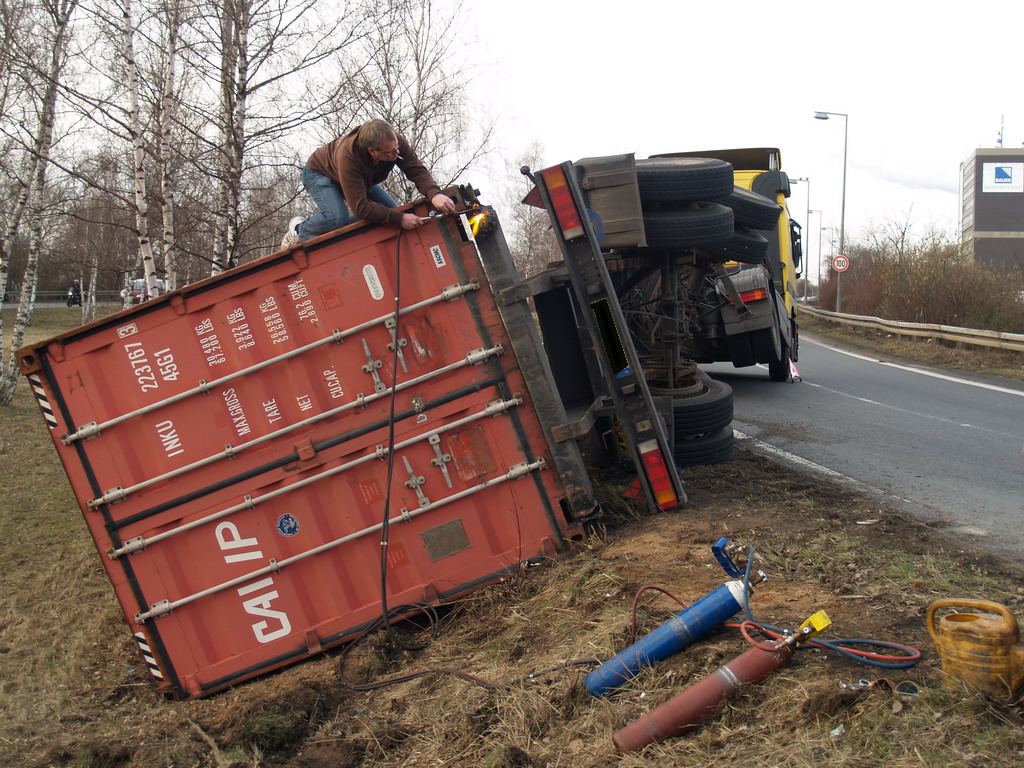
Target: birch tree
[267, 55]
[409, 76]
[138, 153]
[55, 31]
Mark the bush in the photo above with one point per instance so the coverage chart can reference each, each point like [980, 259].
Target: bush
[927, 282]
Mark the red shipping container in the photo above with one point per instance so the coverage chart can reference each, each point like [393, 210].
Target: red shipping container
[228, 444]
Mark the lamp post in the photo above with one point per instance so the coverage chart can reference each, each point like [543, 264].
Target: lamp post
[842, 210]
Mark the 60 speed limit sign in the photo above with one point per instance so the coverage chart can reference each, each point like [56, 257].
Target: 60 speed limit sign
[840, 263]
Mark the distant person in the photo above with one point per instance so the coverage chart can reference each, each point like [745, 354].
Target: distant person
[75, 294]
[343, 177]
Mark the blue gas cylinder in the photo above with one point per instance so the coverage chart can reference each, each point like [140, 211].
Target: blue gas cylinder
[707, 614]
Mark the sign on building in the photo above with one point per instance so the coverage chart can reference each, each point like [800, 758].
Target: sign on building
[1002, 177]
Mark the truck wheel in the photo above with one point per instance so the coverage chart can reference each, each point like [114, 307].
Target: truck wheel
[683, 179]
[778, 370]
[705, 413]
[745, 245]
[714, 448]
[753, 210]
[696, 224]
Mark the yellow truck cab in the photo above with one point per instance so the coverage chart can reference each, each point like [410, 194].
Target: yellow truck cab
[756, 323]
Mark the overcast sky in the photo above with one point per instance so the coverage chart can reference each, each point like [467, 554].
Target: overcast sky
[924, 84]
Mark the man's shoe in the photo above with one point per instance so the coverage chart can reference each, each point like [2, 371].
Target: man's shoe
[291, 237]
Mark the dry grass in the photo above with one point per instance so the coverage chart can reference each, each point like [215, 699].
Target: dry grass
[73, 693]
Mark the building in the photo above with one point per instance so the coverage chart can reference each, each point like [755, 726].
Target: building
[992, 207]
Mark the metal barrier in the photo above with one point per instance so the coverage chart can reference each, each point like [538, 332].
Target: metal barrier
[1013, 342]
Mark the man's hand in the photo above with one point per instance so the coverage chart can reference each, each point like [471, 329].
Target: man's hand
[411, 221]
[443, 203]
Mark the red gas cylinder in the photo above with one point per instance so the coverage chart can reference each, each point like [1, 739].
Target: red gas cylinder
[687, 709]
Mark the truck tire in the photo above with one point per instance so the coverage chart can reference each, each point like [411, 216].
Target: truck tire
[683, 179]
[745, 246]
[696, 224]
[753, 210]
[708, 412]
[778, 370]
[714, 448]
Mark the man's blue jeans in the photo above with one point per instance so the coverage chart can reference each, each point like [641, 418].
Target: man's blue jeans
[334, 212]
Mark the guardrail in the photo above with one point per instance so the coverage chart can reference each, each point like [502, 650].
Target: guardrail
[49, 297]
[1013, 342]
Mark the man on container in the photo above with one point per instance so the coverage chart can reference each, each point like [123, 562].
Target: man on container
[343, 177]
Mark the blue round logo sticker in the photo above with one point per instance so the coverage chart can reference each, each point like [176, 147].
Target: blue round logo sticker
[288, 524]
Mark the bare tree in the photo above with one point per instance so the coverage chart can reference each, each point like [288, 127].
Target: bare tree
[409, 75]
[138, 152]
[167, 112]
[531, 242]
[261, 50]
[57, 17]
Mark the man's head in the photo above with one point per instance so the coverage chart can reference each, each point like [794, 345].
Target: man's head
[379, 139]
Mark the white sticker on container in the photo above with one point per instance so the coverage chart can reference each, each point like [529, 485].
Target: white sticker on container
[438, 254]
[127, 330]
[373, 282]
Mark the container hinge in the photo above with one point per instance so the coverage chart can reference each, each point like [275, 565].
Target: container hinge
[440, 459]
[392, 325]
[452, 292]
[130, 547]
[414, 482]
[112, 496]
[521, 470]
[498, 407]
[478, 356]
[84, 432]
[156, 610]
[371, 368]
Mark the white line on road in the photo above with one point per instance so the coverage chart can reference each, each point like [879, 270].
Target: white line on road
[911, 369]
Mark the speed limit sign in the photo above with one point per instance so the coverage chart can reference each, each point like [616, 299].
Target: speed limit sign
[840, 263]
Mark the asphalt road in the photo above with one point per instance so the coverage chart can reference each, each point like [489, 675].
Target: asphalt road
[945, 447]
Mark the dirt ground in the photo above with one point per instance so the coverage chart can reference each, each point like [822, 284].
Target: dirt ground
[873, 571]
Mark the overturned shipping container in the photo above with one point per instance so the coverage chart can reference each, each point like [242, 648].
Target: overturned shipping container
[238, 447]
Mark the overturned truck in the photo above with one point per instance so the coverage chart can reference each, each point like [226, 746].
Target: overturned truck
[271, 459]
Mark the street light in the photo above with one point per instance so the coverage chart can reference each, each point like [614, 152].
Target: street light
[842, 210]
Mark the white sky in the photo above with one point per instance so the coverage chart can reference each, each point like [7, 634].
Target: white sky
[923, 83]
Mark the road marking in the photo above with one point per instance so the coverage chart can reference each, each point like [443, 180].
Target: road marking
[933, 374]
[760, 446]
[792, 457]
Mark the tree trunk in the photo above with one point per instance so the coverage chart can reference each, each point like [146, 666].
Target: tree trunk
[138, 155]
[60, 14]
[167, 111]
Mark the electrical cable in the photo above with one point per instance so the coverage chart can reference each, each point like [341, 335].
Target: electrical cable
[387, 614]
[385, 526]
[909, 658]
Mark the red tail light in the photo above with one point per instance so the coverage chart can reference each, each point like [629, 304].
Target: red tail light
[561, 199]
[657, 475]
[758, 294]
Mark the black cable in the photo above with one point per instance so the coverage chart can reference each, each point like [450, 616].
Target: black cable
[385, 525]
